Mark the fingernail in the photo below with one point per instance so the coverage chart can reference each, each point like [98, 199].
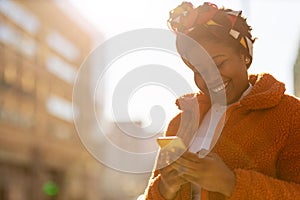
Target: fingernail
[202, 153]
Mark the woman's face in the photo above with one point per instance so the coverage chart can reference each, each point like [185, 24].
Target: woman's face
[231, 66]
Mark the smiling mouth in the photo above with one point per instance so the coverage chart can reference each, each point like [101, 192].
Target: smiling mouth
[220, 87]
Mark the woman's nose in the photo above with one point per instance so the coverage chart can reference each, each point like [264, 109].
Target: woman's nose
[211, 75]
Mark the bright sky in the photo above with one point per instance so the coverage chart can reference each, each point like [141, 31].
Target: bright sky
[276, 23]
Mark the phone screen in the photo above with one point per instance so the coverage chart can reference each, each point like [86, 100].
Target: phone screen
[171, 143]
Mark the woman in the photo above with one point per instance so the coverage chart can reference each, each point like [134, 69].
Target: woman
[257, 155]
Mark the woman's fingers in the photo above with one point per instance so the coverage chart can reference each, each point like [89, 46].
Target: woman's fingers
[167, 157]
[209, 172]
[166, 170]
[171, 178]
[190, 178]
[181, 169]
[190, 163]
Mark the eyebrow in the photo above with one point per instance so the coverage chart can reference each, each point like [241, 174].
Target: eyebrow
[217, 56]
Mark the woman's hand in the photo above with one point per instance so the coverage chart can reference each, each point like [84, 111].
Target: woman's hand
[170, 181]
[210, 172]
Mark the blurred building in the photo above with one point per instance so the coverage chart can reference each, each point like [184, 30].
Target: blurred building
[132, 140]
[41, 157]
[297, 75]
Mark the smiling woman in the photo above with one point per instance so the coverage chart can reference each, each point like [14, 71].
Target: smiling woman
[254, 151]
[232, 68]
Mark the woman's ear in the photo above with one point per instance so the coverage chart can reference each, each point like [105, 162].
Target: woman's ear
[246, 59]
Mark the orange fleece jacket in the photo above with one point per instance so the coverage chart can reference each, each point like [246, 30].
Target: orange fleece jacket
[260, 142]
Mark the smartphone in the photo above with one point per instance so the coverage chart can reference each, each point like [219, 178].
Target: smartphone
[171, 143]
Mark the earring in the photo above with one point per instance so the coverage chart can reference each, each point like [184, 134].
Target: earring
[247, 60]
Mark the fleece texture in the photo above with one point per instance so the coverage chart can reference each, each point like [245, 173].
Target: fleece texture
[260, 143]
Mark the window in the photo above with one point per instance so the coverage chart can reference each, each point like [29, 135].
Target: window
[11, 36]
[61, 69]
[60, 107]
[63, 46]
[20, 16]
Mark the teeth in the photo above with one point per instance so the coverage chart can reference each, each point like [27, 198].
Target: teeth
[219, 88]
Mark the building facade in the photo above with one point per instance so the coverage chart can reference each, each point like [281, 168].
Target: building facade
[41, 156]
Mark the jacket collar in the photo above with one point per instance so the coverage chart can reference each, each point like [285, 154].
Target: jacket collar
[265, 93]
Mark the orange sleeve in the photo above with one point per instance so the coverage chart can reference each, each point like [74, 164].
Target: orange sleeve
[254, 185]
[174, 125]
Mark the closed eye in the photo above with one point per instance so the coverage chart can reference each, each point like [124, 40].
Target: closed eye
[194, 69]
[221, 64]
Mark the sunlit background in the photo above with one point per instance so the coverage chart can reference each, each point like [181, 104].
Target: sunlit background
[275, 23]
[42, 46]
